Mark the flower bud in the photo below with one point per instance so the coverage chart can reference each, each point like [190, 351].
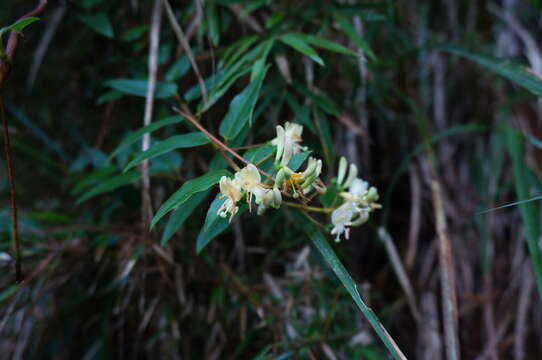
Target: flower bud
[372, 195]
[280, 178]
[352, 174]
[342, 169]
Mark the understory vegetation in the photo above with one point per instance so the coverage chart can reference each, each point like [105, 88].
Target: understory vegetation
[258, 179]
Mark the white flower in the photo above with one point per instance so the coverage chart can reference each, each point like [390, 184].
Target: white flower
[271, 198]
[287, 141]
[232, 190]
[341, 218]
[356, 191]
[249, 179]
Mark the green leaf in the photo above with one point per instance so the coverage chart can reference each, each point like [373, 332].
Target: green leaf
[259, 153]
[178, 69]
[335, 264]
[92, 178]
[353, 35]
[298, 159]
[175, 142]
[189, 189]
[179, 216]
[134, 33]
[514, 72]
[9, 292]
[111, 184]
[326, 44]
[136, 135]
[528, 210]
[212, 22]
[242, 106]
[19, 25]
[298, 43]
[325, 136]
[214, 225]
[139, 87]
[99, 23]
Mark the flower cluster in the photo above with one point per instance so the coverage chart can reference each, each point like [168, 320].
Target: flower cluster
[247, 182]
[357, 199]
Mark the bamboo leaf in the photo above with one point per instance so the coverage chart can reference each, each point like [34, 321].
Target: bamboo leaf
[340, 271]
[170, 144]
[297, 42]
[111, 184]
[139, 87]
[179, 216]
[187, 190]
[518, 74]
[136, 135]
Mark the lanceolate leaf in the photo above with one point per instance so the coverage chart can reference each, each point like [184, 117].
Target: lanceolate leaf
[99, 23]
[111, 184]
[259, 153]
[214, 225]
[189, 189]
[242, 108]
[139, 87]
[19, 25]
[333, 261]
[326, 44]
[514, 72]
[172, 143]
[353, 35]
[528, 210]
[298, 159]
[133, 137]
[298, 43]
[179, 216]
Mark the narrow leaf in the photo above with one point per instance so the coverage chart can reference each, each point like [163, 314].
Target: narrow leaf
[214, 225]
[110, 185]
[326, 44]
[99, 23]
[298, 43]
[19, 25]
[242, 108]
[139, 87]
[519, 74]
[179, 216]
[187, 190]
[136, 135]
[170, 144]
[333, 261]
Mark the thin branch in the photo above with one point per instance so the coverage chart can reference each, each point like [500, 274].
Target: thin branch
[447, 275]
[156, 23]
[307, 208]
[14, 227]
[186, 46]
[188, 115]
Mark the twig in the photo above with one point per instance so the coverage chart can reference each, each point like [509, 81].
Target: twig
[188, 115]
[186, 46]
[14, 227]
[156, 22]
[415, 215]
[449, 298]
[307, 208]
[399, 270]
[5, 67]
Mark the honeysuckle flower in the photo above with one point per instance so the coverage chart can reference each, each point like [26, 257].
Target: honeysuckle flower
[356, 191]
[232, 191]
[272, 198]
[287, 142]
[341, 218]
[352, 173]
[249, 180]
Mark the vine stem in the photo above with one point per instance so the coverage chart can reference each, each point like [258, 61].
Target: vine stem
[307, 208]
[5, 67]
[11, 178]
[188, 115]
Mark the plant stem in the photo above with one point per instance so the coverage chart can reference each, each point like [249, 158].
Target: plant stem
[307, 208]
[14, 227]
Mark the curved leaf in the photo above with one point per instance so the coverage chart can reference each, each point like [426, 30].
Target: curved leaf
[133, 137]
[187, 190]
[139, 87]
[298, 43]
[172, 143]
